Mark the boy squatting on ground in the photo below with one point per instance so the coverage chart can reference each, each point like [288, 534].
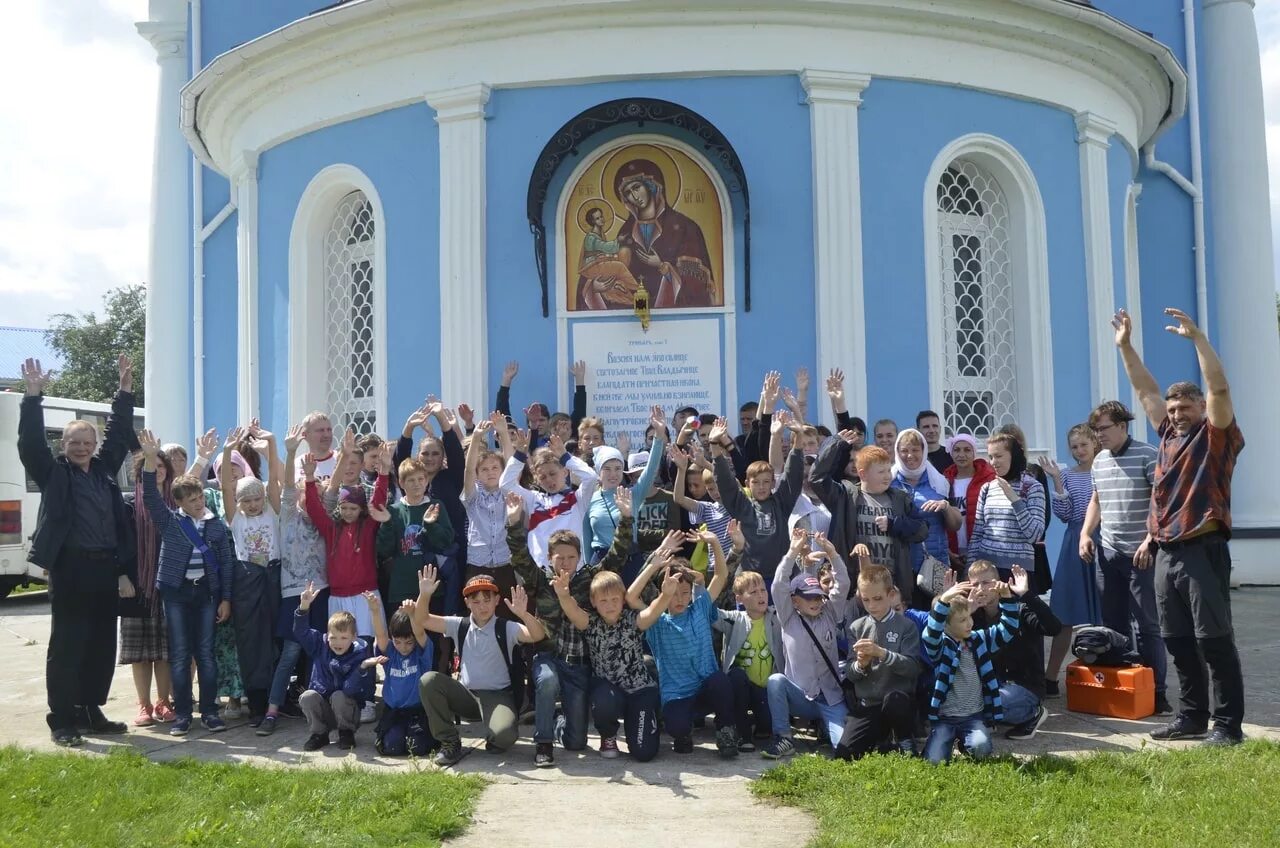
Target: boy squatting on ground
[405, 655]
[561, 666]
[883, 667]
[689, 677]
[485, 688]
[195, 582]
[339, 678]
[966, 691]
[810, 686]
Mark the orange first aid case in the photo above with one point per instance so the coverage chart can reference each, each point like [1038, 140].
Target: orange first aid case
[1119, 692]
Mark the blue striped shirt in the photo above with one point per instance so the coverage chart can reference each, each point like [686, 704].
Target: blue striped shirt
[681, 646]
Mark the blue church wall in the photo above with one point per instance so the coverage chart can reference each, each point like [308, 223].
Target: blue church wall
[220, 310]
[897, 150]
[776, 157]
[230, 23]
[398, 151]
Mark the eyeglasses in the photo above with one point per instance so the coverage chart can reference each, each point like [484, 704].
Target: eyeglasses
[1104, 428]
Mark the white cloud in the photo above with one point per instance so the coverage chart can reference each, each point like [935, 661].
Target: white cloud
[76, 137]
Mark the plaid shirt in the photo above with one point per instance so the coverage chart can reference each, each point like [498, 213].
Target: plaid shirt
[568, 642]
[1193, 480]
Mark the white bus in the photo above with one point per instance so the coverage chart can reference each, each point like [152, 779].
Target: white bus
[19, 497]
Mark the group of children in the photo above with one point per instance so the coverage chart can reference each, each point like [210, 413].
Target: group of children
[527, 568]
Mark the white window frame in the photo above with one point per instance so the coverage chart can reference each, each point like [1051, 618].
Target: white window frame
[308, 345]
[1028, 273]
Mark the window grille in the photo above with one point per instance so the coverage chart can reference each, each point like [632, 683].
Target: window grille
[980, 389]
[349, 251]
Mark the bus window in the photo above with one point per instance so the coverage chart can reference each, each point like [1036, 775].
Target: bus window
[53, 438]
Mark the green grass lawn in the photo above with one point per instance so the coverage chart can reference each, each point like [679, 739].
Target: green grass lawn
[123, 799]
[1144, 799]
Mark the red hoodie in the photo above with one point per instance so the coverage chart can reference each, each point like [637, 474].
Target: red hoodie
[982, 473]
[352, 548]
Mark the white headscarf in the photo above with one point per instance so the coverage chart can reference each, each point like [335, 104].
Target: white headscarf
[936, 481]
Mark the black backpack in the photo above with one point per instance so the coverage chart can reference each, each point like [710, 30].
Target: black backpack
[515, 662]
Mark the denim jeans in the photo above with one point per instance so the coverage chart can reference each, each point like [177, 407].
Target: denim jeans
[971, 730]
[554, 678]
[289, 653]
[189, 615]
[1020, 703]
[787, 699]
[638, 712]
[1128, 597]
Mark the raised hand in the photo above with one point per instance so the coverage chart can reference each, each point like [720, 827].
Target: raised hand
[416, 419]
[719, 431]
[386, 453]
[1123, 325]
[835, 384]
[736, 535]
[790, 401]
[673, 541]
[34, 377]
[379, 514]
[579, 372]
[560, 582]
[207, 445]
[556, 444]
[850, 437]
[677, 457]
[622, 500]
[658, 419]
[150, 444]
[468, 416]
[518, 603]
[296, 436]
[308, 595]
[371, 598]
[670, 583]
[821, 540]
[955, 591]
[1185, 327]
[515, 509]
[520, 440]
[349, 441]
[624, 443]
[125, 366]
[309, 466]
[802, 382]
[432, 514]
[1020, 582]
[799, 539]
[1051, 468]
[779, 422]
[770, 390]
[860, 551]
[509, 372]
[234, 438]
[428, 581]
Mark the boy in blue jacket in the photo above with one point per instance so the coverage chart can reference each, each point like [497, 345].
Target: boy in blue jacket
[194, 579]
[338, 677]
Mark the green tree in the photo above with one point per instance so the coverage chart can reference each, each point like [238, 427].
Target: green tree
[89, 346]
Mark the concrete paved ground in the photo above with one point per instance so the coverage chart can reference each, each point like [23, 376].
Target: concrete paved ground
[701, 787]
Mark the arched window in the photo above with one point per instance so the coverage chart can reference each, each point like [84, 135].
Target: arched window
[987, 295]
[337, 301]
[981, 377]
[350, 250]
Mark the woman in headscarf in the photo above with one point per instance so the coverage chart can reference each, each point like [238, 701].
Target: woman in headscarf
[965, 480]
[915, 475]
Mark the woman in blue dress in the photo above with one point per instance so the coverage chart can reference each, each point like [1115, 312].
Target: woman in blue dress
[915, 475]
[1074, 599]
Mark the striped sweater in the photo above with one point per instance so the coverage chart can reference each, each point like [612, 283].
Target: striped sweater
[944, 652]
[1005, 533]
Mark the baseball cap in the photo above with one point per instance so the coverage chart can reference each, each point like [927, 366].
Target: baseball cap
[807, 586]
[480, 583]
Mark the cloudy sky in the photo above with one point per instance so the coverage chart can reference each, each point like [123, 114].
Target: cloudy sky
[76, 123]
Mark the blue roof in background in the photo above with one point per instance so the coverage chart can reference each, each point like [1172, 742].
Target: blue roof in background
[18, 343]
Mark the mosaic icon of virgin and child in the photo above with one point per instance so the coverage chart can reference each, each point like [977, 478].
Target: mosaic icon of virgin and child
[658, 249]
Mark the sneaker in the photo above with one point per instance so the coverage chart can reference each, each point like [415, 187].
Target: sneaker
[144, 717]
[66, 737]
[181, 725]
[727, 742]
[163, 712]
[1051, 689]
[268, 726]
[449, 753]
[682, 745]
[1220, 737]
[255, 719]
[1163, 707]
[346, 739]
[609, 748]
[907, 747]
[780, 747]
[368, 714]
[545, 756]
[1028, 728]
[213, 723]
[746, 746]
[315, 742]
[232, 711]
[92, 720]
[1180, 728]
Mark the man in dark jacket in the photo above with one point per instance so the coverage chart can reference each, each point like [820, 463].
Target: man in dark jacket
[1020, 664]
[84, 541]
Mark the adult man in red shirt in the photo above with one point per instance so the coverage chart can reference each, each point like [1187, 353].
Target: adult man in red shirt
[1189, 526]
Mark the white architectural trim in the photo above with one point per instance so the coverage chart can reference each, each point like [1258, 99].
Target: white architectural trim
[244, 182]
[1139, 426]
[307, 345]
[1093, 135]
[168, 377]
[1029, 263]
[362, 58]
[464, 346]
[834, 98]
[730, 282]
